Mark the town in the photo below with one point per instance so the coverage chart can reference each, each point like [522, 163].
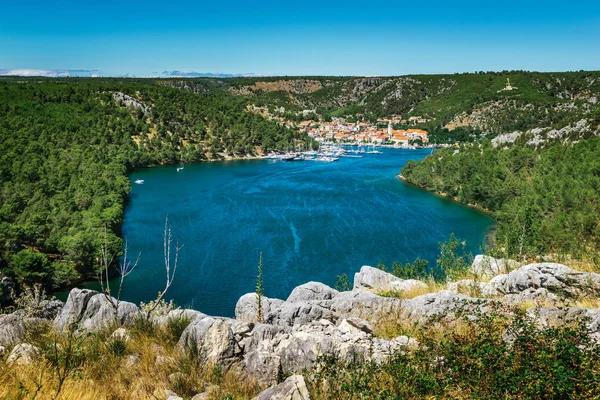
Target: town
[354, 129]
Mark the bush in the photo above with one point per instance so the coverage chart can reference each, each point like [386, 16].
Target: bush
[493, 356]
[415, 270]
[30, 267]
[175, 327]
[63, 274]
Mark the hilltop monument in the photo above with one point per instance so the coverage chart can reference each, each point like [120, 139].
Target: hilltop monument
[508, 86]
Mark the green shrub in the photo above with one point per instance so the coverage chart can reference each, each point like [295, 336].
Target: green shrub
[30, 267]
[175, 327]
[492, 356]
[418, 269]
[63, 274]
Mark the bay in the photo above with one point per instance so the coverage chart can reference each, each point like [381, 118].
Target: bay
[311, 220]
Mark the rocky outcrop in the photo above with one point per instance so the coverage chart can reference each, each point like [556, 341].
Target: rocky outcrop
[311, 291]
[13, 327]
[23, 354]
[555, 278]
[246, 307]
[488, 267]
[317, 320]
[445, 304]
[552, 316]
[212, 340]
[74, 307]
[293, 388]
[130, 102]
[91, 310]
[376, 280]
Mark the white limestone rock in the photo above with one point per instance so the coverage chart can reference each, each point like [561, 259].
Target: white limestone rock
[293, 388]
[312, 291]
[23, 354]
[212, 339]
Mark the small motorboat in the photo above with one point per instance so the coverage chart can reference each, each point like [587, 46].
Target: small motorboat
[139, 181]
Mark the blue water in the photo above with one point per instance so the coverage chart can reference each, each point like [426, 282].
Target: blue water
[311, 220]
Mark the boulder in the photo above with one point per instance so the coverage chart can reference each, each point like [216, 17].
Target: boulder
[550, 316]
[273, 353]
[373, 279]
[486, 266]
[312, 291]
[298, 313]
[212, 340]
[293, 388]
[245, 308]
[87, 309]
[444, 304]
[365, 305]
[556, 278]
[99, 312]
[12, 328]
[376, 280]
[23, 354]
[120, 334]
[75, 306]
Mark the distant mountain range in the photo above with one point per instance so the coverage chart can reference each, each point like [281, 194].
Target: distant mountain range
[94, 73]
[192, 74]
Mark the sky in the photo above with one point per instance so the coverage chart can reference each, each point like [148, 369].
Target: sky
[311, 37]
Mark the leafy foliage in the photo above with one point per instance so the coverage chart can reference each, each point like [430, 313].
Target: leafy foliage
[492, 356]
[544, 200]
[453, 261]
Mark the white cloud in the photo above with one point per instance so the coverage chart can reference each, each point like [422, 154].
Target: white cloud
[34, 72]
[50, 73]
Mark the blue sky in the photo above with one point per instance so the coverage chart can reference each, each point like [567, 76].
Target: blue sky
[311, 37]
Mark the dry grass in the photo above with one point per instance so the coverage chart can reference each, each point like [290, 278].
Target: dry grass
[103, 371]
[392, 325]
[431, 287]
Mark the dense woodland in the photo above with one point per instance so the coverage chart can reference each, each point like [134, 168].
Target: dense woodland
[67, 146]
[544, 200]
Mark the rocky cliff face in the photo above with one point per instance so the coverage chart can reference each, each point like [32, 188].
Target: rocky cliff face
[317, 320]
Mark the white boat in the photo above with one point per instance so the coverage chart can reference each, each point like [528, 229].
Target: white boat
[179, 169]
[326, 159]
[139, 181]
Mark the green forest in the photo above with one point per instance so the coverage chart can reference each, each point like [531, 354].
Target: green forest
[67, 147]
[545, 201]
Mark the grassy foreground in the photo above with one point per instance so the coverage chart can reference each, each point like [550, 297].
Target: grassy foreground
[502, 354]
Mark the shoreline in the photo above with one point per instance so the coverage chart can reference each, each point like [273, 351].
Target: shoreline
[483, 210]
[488, 237]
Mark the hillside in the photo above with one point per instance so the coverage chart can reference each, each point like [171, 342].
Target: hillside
[67, 146]
[477, 100]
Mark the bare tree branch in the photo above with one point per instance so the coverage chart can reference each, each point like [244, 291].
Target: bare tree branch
[170, 265]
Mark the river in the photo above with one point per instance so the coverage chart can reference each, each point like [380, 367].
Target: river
[311, 220]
